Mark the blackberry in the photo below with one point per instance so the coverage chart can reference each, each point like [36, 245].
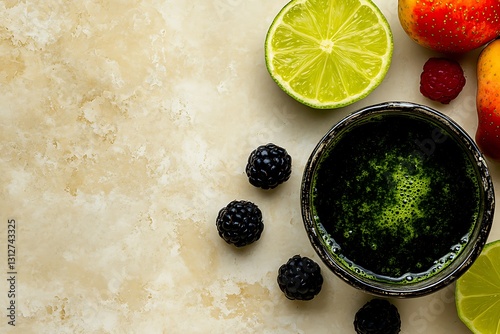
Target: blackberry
[240, 223]
[300, 278]
[378, 316]
[268, 166]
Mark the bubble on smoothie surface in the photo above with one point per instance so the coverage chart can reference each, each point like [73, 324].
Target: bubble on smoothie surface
[410, 188]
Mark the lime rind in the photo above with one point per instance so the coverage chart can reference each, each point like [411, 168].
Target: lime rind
[324, 60]
[478, 292]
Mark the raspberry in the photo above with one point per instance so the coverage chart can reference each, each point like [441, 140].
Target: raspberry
[442, 79]
[268, 166]
[378, 316]
[240, 223]
[300, 278]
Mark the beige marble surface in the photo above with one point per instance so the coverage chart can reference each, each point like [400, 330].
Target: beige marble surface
[125, 127]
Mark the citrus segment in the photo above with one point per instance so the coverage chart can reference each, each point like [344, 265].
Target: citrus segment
[329, 53]
[478, 292]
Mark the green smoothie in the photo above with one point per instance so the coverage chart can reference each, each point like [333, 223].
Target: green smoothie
[395, 198]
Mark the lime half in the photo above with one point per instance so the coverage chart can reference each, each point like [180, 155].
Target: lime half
[329, 53]
[478, 292]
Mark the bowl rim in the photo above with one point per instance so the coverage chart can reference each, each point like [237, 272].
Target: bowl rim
[466, 257]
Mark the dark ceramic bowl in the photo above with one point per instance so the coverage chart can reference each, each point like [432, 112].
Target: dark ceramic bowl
[397, 200]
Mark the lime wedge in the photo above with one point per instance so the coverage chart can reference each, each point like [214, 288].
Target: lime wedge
[329, 53]
[477, 293]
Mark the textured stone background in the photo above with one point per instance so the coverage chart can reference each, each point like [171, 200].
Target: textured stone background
[125, 126]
